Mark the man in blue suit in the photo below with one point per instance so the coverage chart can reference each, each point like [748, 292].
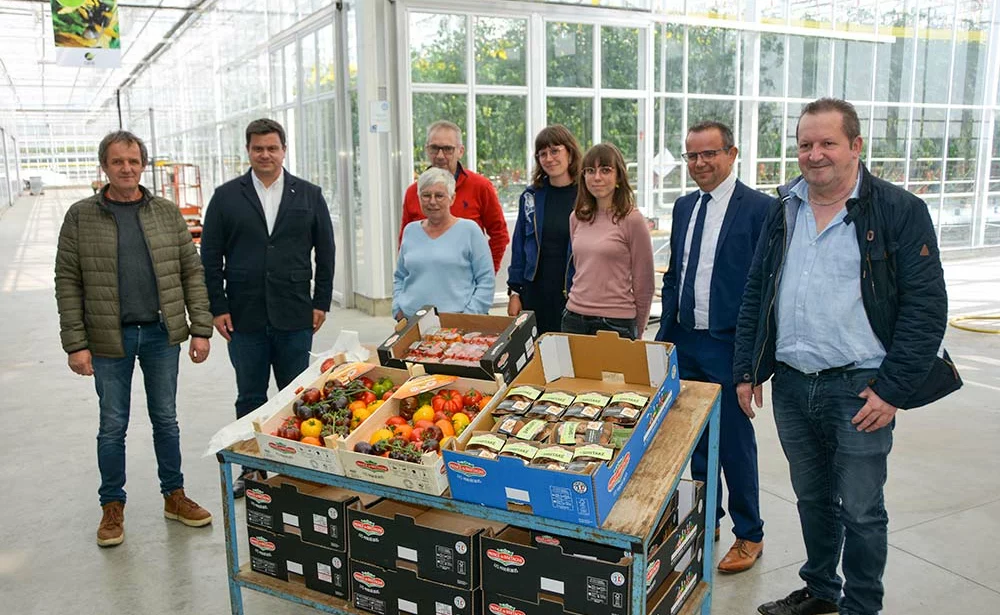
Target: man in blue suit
[259, 235]
[712, 242]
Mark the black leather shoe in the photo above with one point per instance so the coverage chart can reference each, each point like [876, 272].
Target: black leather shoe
[799, 602]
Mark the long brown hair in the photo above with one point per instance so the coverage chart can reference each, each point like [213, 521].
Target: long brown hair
[623, 199]
[556, 134]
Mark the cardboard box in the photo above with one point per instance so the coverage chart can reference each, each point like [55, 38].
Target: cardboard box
[673, 540]
[286, 557]
[575, 363]
[514, 566]
[391, 592]
[316, 512]
[322, 458]
[441, 546]
[506, 357]
[429, 475]
[680, 583]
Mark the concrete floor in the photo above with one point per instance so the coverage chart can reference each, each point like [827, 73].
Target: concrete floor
[943, 492]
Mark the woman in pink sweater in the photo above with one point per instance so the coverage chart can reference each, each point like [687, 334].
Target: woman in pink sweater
[612, 286]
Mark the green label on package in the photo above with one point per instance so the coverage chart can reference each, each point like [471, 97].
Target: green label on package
[593, 399]
[566, 433]
[630, 398]
[521, 449]
[531, 429]
[557, 397]
[487, 440]
[620, 435]
[594, 451]
[530, 392]
[555, 453]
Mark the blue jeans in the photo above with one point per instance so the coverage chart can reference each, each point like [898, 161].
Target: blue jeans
[707, 359]
[254, 354]
[589, 325]
[113, 380]
[838, 474]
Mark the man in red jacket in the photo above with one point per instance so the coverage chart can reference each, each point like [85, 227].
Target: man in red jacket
[475, 197]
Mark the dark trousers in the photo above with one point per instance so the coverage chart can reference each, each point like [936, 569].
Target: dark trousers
[158, 359]
[707, 359]
[838, 474]
[547, 302]
[589, 325]
[253, 355]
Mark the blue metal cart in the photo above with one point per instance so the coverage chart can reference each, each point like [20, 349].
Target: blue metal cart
[630, 524]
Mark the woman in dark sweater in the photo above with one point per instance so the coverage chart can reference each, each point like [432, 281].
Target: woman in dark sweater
[540, 250]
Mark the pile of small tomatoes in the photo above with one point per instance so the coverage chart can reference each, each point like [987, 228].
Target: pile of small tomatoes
[425, 424]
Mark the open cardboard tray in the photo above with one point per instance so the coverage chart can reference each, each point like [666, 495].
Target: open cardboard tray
[576, 363]
[322, 458]
[429, 475]
[506, 357]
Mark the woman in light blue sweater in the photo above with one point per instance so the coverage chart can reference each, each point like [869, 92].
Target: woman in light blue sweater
[444, 260]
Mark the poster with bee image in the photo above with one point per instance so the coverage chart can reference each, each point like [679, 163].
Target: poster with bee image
[86, 33]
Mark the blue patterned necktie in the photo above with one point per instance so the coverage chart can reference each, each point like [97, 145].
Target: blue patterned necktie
[686, 314]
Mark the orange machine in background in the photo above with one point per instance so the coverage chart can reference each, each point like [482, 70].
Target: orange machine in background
[181, 183]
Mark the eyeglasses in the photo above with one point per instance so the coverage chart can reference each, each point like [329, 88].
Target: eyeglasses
[435, 196]
[707, 155]
[551, 152]
[603, 171]
[433, 150]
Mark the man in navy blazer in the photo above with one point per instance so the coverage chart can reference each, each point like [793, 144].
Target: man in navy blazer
[712, 242]
[259, 236]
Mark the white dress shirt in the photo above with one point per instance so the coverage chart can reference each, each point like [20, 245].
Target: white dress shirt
[716, 213]
[270, 197]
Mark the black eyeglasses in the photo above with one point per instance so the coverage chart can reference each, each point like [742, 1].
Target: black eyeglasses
[707, 155]
[434, 149]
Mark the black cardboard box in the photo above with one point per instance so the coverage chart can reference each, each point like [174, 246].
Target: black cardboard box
[442, 547]
[316, 512]
[673, 540]
[678, 586]
[576, 546]
[515, 566]
[285, 556]
[506, 357]
[390, 592]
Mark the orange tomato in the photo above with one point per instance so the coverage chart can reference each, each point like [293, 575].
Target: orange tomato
[311, 440]
[357, 405]
[446, 427]
[403, 430]
[485, 400]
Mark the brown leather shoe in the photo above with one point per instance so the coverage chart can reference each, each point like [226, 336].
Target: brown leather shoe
[111, 532]
[742, 556]
[181, 508]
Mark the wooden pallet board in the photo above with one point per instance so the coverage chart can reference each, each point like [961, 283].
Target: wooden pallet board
[638, 508]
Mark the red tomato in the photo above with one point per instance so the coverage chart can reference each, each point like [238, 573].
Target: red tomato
[447, 401]
[365, 396]
[396, 420]
[423, 423]
[368, 382]
[471, 398]
[417, 434]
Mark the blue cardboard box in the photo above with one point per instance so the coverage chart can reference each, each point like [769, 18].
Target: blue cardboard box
[574, 363]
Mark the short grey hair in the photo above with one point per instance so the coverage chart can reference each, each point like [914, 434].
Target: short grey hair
[121, 136]
[434, 176]
[444, 124]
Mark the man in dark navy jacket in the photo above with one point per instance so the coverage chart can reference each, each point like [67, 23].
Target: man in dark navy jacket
[712, 242]
[259, 235]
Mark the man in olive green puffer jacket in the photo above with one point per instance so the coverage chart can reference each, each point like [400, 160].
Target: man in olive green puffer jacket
[128, 277]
